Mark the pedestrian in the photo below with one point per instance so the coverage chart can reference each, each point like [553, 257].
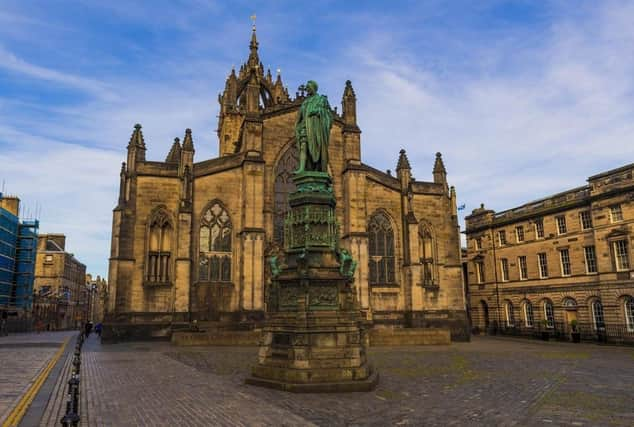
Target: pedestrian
[98, 327]
[4, 318]
[88, 328]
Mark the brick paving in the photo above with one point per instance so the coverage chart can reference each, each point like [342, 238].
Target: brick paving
[486, 382]
[22, 357]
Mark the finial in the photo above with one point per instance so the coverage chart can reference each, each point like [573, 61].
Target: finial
[176, 140]
[188, 131]
[438, 154]
[253, 17]
[279, 71]
[137, 126]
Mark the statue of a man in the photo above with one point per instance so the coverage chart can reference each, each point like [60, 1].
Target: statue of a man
[312, 131]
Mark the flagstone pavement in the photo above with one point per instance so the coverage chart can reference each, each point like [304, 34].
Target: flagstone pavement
[490, 381]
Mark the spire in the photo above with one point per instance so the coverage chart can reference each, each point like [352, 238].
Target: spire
[136, 147]
[254, 59]
[278, 79]
[439, 166]
[175, 152]
[136, 140]
[440, 173]
[349, 105]
[188, 143]
[403, 161]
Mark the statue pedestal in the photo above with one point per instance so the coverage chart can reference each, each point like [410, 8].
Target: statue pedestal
[313, 340]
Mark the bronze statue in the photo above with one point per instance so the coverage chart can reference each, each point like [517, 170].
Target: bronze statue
[312, 131]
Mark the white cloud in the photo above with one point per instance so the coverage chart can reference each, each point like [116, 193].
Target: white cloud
[11, 62]
[74, 187]
[562, 113]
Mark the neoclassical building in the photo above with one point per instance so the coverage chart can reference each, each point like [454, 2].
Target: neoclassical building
[561, 260]
[190, 238]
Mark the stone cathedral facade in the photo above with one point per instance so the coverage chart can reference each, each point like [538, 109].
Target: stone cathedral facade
[191, 239]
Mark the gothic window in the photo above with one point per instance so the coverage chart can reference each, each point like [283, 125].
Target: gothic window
[381, 241]
[283, 186]
[159, 249]
[214, 263]
[427, 255]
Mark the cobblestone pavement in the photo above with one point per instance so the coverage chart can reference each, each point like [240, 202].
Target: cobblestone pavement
[22, 357]
[486, 382]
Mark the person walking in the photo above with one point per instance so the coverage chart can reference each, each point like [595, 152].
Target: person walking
[88, 328]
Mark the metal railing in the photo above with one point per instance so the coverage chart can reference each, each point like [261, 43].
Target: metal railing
[72, 417]
[588, 332]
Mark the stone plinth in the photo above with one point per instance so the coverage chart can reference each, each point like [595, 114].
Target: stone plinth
[313, 340]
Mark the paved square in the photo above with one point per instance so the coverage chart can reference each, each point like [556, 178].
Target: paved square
[486, 382]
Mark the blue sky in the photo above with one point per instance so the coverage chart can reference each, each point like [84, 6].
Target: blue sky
[523, 98]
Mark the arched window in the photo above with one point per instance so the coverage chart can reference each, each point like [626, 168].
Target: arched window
[427, 256]
[529, 318]
[381, 241]
[549, 314]
[215, 245]
[597, 315]
[510, 315]
[159, 249]
[569, 304]
[629, 313]
[284, 185]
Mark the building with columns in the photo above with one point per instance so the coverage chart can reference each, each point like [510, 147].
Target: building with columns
[190, 237]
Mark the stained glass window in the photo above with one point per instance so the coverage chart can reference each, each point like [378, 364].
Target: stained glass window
[283, 186]
[159, 248]
[215, 245]
[381, 241]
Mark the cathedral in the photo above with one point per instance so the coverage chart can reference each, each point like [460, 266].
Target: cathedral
[191, 239]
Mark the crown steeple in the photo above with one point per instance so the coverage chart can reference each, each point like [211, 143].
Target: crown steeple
[254, 59]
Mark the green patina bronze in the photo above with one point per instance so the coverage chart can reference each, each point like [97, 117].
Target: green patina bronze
[313, 339]
[312, 131]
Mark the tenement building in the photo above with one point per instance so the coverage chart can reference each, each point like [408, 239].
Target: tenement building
[560, 263]
[191, 238]
[18, 242]
[60, 292]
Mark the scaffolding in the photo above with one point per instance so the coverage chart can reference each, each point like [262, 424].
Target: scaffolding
[18, 247]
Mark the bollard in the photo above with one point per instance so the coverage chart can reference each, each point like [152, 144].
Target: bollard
[71, 418]
[73, 383]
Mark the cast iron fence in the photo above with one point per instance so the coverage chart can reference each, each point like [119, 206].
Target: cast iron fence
[608, 334]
